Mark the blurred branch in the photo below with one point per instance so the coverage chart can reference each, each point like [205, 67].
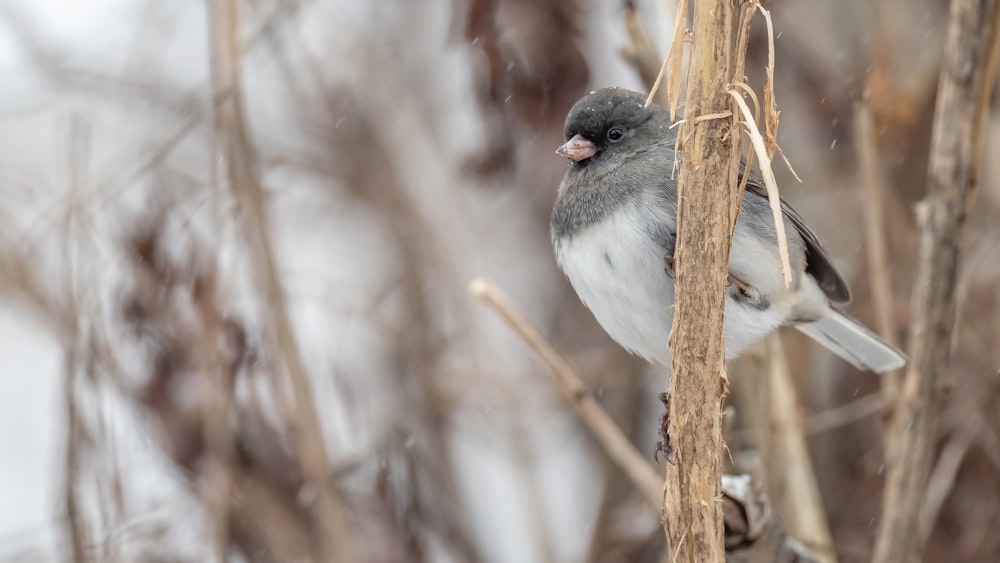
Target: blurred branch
[531, 491]
[264, 521]
[79, 537]
[790, 471]
[641, 54]
[57, 66]
[765, 400]
[610, 542]
[607, 433]
[326, 506]
[365, 162]
[942, 478]
[966, 82]
[752, 532]
[845, 414]
[675, 59]
[217, 389]
[880, 277]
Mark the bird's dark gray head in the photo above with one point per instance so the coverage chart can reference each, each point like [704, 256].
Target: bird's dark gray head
[611, 122]
[619, 150]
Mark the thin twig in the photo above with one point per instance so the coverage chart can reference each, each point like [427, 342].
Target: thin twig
[217, 478]
[78, 534]
[769, 182]
[675, 58]
[771, 113]
[743, 39]
[748, 165]
[642, 54]
[942, 479]
[876, 233]
[615, 443]
[656, 83]
[989, 441]
[845, 414]
[753, 97]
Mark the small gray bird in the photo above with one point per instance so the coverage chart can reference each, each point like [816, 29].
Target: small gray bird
[614, 228]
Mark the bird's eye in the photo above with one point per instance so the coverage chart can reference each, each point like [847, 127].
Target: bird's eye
[615, 134]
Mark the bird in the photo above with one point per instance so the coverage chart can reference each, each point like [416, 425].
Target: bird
[614, 227]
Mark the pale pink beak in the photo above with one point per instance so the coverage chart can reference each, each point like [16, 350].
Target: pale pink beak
[578, 148]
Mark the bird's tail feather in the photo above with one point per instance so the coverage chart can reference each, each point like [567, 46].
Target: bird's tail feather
[848, 339]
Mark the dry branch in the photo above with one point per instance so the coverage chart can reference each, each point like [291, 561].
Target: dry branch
[753, 533]
[79, 535]
[759, 145]
[264, 520]
[608, 434]
[766, 399]
[876, 234]
[942, 478]
[790, 470]
[843, 415]
[709, 158]
[326, 506]
[966, 81]
[641, 54]
[217, 478]
[675, 57]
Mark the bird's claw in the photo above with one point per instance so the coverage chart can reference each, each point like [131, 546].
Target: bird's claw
[663, 443]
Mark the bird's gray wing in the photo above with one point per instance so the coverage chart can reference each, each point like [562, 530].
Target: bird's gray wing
[818, 264]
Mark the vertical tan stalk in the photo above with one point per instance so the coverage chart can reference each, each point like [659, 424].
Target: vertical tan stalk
[241, 167]
[876, 245]
[789, 470]
[707, 196]
[966, 80]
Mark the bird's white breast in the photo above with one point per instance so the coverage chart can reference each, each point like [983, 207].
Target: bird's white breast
[619, 271]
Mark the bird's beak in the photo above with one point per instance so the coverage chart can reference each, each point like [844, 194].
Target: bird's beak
[578, 148]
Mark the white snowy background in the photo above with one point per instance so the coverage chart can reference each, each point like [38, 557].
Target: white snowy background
[403, 154]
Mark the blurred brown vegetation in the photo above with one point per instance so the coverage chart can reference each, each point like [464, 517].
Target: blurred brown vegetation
[401, 149]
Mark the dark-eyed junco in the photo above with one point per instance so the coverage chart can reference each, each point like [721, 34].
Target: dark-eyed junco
[614, 227]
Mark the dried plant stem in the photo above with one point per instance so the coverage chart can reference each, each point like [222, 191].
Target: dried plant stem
[743, 38]
[770, 183]
[327, 510]
[265, 520]
[771, 113]
[790, 471]
[76, 524]
[875, 238]
[608, 434]
[641, 53]
[709, 158]
[749, 161]
[966, 82]
[942, 479]
[674, 59]
[656, 83]
[845, 414]
[217, 477]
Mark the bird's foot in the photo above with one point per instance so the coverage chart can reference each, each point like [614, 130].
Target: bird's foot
[663, 443]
